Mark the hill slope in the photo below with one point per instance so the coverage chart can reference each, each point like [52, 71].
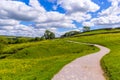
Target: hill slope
[41, 60]
[110, 62]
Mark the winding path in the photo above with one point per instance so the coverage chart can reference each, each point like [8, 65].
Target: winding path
[84, 68]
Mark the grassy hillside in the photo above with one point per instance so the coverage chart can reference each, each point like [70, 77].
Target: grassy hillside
[110, 62]
[99, 31]
[39, 60]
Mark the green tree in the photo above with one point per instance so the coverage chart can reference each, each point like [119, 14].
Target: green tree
[49, 35]
[71, 33]
[37, 39]
[42, 38]
[86, 28]
[21, 40]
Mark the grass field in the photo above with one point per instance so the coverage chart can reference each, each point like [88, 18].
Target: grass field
[39, 60]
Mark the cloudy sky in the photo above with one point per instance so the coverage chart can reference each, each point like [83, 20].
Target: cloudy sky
[33, 17]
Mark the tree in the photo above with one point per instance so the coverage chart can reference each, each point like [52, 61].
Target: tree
[49, 35]
[42, 38]
[37, 39]
[86, 28]
[71, 33]
[21, 40]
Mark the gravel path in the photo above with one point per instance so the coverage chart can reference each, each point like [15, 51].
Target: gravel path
[84, 68]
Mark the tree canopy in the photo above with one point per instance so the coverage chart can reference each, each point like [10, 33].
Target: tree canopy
[70, 33]
[86, 28]
[49, 35]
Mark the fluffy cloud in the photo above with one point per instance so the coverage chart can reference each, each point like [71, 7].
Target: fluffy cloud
[56, 25]
[109, 17]
[36, 5]
[21, 30]
[114, 9]
[49, 17]
[13, 13]
[72, 6]
[107, 20]
[16, 12]
[79, 17]
[54, 19]
[78, 9]
[8, 22]
[87, 24]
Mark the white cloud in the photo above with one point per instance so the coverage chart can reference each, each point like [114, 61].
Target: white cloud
[87, 24]
[21, 30]
[13, 12]
[56, 24]
[50, 17]
[109, 17]
[16, 10]
[78, 9]
[54, 19]
[8, 22]
[72, 6]
[35, 4]
[114, 9]
[79, 17]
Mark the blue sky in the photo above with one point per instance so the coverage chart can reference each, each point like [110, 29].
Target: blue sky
[33, 17]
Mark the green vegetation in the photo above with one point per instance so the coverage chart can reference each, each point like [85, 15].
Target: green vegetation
[110, 62]
[39, 60]
[99, 31]
[86, 28]
[49, 35]
[15, 40]
[70, 33]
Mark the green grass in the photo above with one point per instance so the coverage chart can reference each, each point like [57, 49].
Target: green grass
[10, 49]
[111, 62]
[41, 60]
